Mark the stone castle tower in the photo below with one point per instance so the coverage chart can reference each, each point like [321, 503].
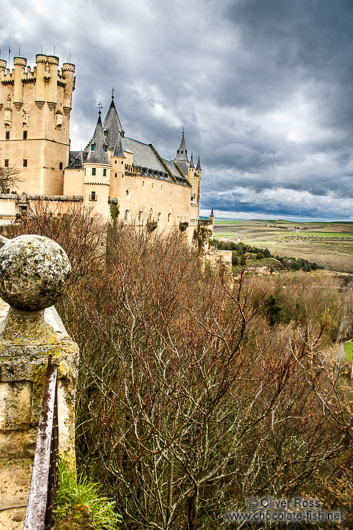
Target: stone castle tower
[35, 110]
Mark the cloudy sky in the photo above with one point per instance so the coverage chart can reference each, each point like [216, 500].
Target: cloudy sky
[264, 89]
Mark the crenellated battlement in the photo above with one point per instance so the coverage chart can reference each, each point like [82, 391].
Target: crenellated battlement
[46, 74]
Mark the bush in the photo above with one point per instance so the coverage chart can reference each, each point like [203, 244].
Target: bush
[235, 260]
[76, 489]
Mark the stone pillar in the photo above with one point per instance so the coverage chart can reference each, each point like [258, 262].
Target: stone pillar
[33, 272]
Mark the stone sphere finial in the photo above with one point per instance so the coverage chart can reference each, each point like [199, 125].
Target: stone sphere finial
[33, 272]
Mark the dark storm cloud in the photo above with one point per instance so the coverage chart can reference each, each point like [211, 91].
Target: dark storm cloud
[264, 89]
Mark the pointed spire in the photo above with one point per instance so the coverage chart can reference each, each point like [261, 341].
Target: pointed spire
[182, 153]
[118, 149]
[198, 167]
[212, 214]
[97, 153]
[112, 125]
[192, 161]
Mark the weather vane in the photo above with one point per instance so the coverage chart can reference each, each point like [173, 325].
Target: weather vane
[100, 106]
[113, 90]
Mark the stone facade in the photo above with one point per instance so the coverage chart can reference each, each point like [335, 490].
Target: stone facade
[35, 107]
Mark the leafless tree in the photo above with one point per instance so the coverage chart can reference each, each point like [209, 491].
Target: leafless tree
[10, 178]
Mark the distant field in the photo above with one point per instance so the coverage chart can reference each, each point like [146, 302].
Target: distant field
[330, 244]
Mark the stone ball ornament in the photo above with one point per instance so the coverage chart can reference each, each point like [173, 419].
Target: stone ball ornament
[33, 272]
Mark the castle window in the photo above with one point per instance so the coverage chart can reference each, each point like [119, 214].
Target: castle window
[115, 161]
[104, 172]
[122, 161]
[60, 165]
[105, 148]
[7, 135]
[159, 217]
[25, 135]
[126, 215]
[127, 192]
[169, 217]
[93, 171]
[92, 147]
[6, 164]
[76, 162]
[93, 196]
[143, 183]
[25, 162]
[115, 175]
[58, 119]
[140, 216]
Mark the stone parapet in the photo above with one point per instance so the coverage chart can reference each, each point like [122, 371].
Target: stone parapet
[33, 271]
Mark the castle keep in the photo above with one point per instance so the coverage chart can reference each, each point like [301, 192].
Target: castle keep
[148, 189]
[35, 110]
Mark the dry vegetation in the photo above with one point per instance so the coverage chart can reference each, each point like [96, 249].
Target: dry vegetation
[190, 398]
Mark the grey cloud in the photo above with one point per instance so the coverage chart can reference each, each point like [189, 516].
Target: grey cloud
[263, 88]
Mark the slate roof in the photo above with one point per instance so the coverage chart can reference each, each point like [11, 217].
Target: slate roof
[182, 153]
[198, 164]
[118, 149]
[77, 159]
[145, 158]
[98, 155]
[112, 126]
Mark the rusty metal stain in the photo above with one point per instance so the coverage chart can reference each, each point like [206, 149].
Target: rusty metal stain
[41, 500]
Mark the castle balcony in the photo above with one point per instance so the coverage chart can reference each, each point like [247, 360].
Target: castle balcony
[131, 170]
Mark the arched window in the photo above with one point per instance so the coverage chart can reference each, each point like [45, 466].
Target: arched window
[140, 217]
[159, 218]
[126, 215]
[169, 218]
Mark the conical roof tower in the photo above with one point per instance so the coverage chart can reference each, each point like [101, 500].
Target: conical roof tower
[97, 148]
[112, 126]
[182, 153]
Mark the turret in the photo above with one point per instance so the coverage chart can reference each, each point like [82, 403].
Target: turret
[182, 153]
[198, 174]
[3, 65]
[19, 69]
[96, 179]
[112, 126]
[41, 76]
[68, 71]
[53, 63]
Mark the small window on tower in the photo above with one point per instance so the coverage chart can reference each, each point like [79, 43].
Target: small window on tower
[92, 147]
[25, 135]
[25, 162]
[93, 171]
[115, 175]
[76, 162]
[7, 135]
[104, 172]
[93, 196]
[60, 165]
[105, 148]
[6, 164]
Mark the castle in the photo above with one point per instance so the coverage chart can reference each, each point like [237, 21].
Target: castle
[113, 169]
